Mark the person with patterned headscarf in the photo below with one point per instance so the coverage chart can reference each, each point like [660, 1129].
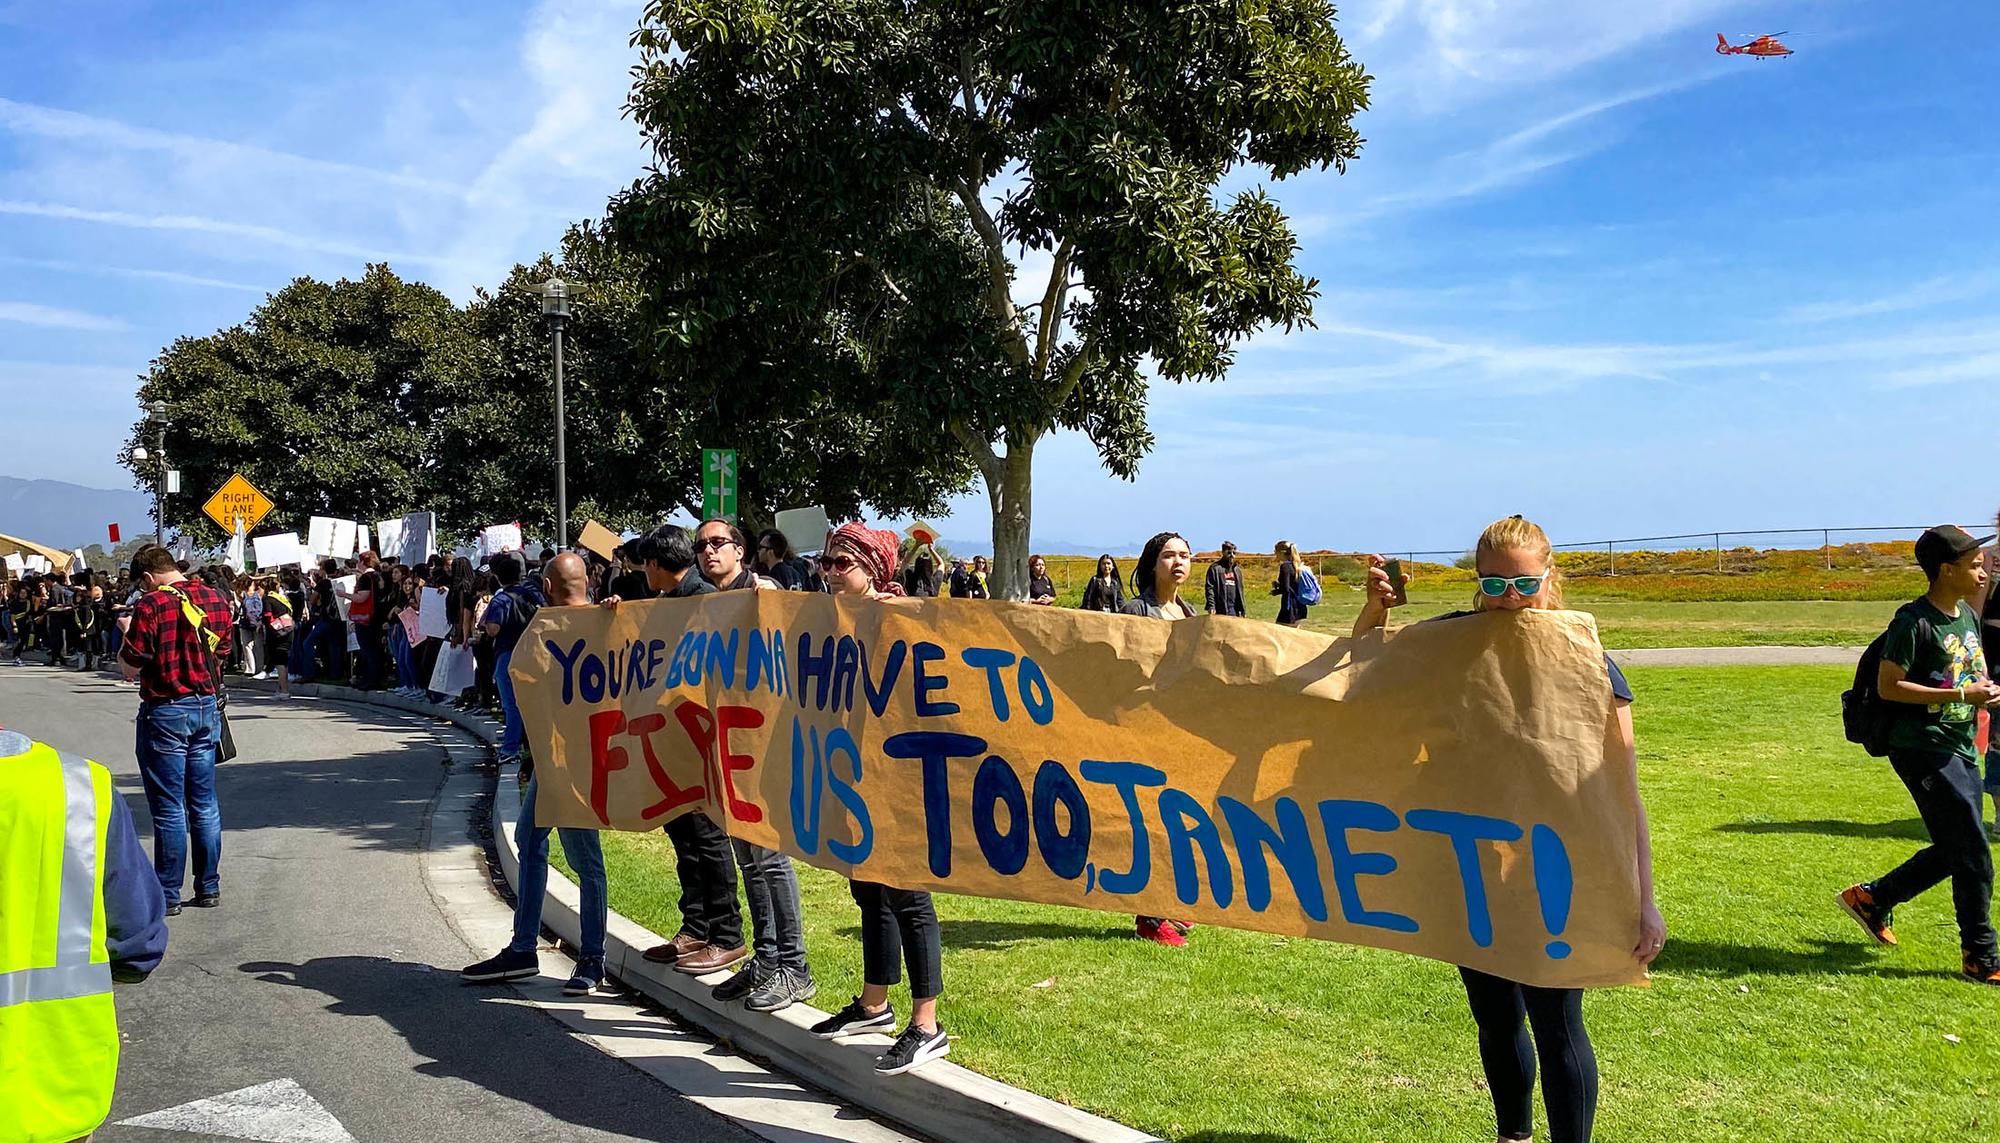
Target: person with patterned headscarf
[896, 924]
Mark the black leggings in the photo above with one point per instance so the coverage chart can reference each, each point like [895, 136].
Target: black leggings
[1569, 1065]
[898, 925]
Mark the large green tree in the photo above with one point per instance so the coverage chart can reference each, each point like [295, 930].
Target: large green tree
[326, 399]
[842, 187]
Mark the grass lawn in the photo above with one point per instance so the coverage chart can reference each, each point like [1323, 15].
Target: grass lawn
[1770, 1017]
[1627, 623]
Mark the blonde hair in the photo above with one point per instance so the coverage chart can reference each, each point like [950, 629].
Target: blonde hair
[1288, 551]
[1515, 534]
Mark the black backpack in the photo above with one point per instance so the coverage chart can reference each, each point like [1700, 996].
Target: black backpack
[1865, 716]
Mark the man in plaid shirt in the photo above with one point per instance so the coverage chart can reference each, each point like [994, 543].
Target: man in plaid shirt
[180, 724]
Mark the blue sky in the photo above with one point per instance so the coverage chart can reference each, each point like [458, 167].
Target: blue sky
[1585, 268]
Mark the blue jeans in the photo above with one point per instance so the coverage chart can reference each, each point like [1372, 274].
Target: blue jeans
[399, 650]
[511, 730]
[307, 652]
[585, 856]
[177, 745]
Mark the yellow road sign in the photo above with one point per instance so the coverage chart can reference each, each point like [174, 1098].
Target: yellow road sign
[237, 500]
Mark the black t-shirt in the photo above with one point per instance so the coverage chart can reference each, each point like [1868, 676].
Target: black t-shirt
[633, 585]
[1040, 586]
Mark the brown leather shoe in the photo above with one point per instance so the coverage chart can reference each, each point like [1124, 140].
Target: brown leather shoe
[710, 959]
[675, 949]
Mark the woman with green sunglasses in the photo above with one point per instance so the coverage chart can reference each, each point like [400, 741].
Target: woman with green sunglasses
[1516, 571]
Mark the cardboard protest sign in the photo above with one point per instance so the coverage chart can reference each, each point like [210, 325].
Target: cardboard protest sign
[432, 619]
[1442, 791]
[804, 528]
[595, 537]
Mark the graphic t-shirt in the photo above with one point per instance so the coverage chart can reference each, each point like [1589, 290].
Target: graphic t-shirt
[1935, 650]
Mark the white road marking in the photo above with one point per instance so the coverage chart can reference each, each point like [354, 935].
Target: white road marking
[275, 1112]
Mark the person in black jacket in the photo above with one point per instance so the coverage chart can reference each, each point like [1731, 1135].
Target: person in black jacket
[920, 581]
[1291, 612]
[1105, 591]
[1222, 590]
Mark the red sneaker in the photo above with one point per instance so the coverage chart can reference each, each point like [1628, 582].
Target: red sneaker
[1163, 932]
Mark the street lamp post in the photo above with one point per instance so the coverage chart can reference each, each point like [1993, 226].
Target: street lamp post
[156, 417]
[555, 307]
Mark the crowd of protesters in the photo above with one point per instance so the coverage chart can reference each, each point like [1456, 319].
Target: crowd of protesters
[344, 622]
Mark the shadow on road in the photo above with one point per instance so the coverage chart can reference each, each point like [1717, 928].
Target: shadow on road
[487, 1038]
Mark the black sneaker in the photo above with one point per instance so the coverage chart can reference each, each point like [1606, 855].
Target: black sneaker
[589, 977]
[914, 1048]
[207, 900]
[173, 908]
[854, 1020]
[784, 988]
[747, 980]
[507, 965]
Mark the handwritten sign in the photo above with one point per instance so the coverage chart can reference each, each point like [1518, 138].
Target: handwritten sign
[1443, 791]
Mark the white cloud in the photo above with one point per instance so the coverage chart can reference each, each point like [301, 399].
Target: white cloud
[1919, 296]
[174, 277]
[1439, 53]
[198, 224]
[52, 317]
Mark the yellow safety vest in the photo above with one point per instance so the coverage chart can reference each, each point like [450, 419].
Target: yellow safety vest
[58, 1030]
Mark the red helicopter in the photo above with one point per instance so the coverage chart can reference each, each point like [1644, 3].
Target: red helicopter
[1763, 47]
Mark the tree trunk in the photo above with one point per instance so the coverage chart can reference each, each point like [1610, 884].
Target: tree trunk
[1011, 495]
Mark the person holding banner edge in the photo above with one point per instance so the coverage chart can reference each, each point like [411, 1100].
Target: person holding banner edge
[1516, 571]
[859, 560]
[1164, 565]
[711, 933]
[564, 584]
[777, 976]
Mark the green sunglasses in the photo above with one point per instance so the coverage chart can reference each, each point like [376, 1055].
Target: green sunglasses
[1496, 585]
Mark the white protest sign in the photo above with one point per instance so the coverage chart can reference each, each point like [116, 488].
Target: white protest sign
[418, 537]
[274, 552]
[432, 620]
[319, 535]
[14, 562]
[389, 539]
[343, 594]
[499, 538]
[342, 547]
[804, 528]
[361, 539]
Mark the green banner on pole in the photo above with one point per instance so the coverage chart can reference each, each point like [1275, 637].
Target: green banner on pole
[718, 484]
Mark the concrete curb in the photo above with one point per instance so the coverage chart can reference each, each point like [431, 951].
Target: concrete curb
[940, 1100]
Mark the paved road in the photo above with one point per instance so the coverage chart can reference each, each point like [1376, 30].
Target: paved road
[329, 965]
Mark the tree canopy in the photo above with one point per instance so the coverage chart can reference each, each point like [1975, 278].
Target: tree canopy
[842, 188]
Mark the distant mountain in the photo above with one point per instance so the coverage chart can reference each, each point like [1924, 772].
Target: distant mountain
[63, 515]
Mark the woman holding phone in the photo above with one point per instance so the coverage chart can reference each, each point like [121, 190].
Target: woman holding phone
[1516, 571]
[1163, 568]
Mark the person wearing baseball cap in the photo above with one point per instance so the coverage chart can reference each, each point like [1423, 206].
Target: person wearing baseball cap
[1934, 664]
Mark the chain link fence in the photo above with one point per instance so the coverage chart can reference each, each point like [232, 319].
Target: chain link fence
[1873, 548]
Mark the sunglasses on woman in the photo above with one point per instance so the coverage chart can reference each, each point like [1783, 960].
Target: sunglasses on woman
[841, 564]
[1528, 585]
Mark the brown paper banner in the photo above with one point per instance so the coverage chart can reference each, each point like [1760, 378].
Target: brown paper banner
[1442, 791]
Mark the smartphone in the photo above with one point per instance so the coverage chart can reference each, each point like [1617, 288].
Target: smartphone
[1395, 570]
